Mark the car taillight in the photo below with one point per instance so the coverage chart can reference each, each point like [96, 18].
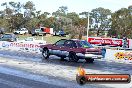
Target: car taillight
[93, 51]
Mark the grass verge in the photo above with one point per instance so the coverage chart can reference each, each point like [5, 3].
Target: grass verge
[48, 38]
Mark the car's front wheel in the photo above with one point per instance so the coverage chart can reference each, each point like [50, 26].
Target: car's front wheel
[45, 53]
[89, 60]
[73, 57]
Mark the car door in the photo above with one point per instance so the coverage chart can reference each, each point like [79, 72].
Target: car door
[69, 45]
[56, 49]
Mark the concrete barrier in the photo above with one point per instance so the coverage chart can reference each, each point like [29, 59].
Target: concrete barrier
[111, 54]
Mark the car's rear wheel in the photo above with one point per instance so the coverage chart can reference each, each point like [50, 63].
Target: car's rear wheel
[45, 53]
[89, 60]
[73, 57]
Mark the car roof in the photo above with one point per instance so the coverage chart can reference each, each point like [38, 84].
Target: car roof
[8, 34]
[76, 40]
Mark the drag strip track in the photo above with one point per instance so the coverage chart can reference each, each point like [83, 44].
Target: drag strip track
[97, 65]
[19, 82]
[54, 67]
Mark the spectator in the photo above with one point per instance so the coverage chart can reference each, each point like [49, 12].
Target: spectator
[103, 52]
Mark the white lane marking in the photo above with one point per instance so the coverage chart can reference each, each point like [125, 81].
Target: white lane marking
[13, 84]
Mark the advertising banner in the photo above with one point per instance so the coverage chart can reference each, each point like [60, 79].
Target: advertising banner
[118, 55]
[108, 41]
[19, 46]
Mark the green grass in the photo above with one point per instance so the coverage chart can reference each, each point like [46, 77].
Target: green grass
[53, 39]
[48, 39]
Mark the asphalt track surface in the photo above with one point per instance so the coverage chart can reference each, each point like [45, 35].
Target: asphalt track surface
[10, 81]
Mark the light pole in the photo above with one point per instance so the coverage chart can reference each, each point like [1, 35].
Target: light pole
[88, 26]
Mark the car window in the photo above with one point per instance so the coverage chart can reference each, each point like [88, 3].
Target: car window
[37, 30]
[60, 43]
[70, 44]
[85, 44]
[29, 39]
[23, 29]
[7, 36]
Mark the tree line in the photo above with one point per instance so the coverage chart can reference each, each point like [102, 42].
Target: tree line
[16, 15]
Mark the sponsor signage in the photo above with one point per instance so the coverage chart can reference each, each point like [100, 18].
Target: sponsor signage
[123, 55]
[20, 46]
[5, 44]
[106, 41]
[83, 78]
[26, 45]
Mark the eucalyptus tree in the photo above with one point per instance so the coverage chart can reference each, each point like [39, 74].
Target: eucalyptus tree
[122, 22]
[29, 14]
[6, 15]
[130, 9]
[29, 9]
[17, 6]
[7, 11]
[6, 6]
[101, 18]
[74, 16]
[61, 19]
[37, 13]
[1, 14]
[46, 14]
[16, 21]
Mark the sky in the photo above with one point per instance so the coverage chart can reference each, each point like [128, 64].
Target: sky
[77, 6]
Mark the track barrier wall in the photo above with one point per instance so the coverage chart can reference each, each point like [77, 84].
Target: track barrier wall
[111, 54]
[119, 55]
[19, 46]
